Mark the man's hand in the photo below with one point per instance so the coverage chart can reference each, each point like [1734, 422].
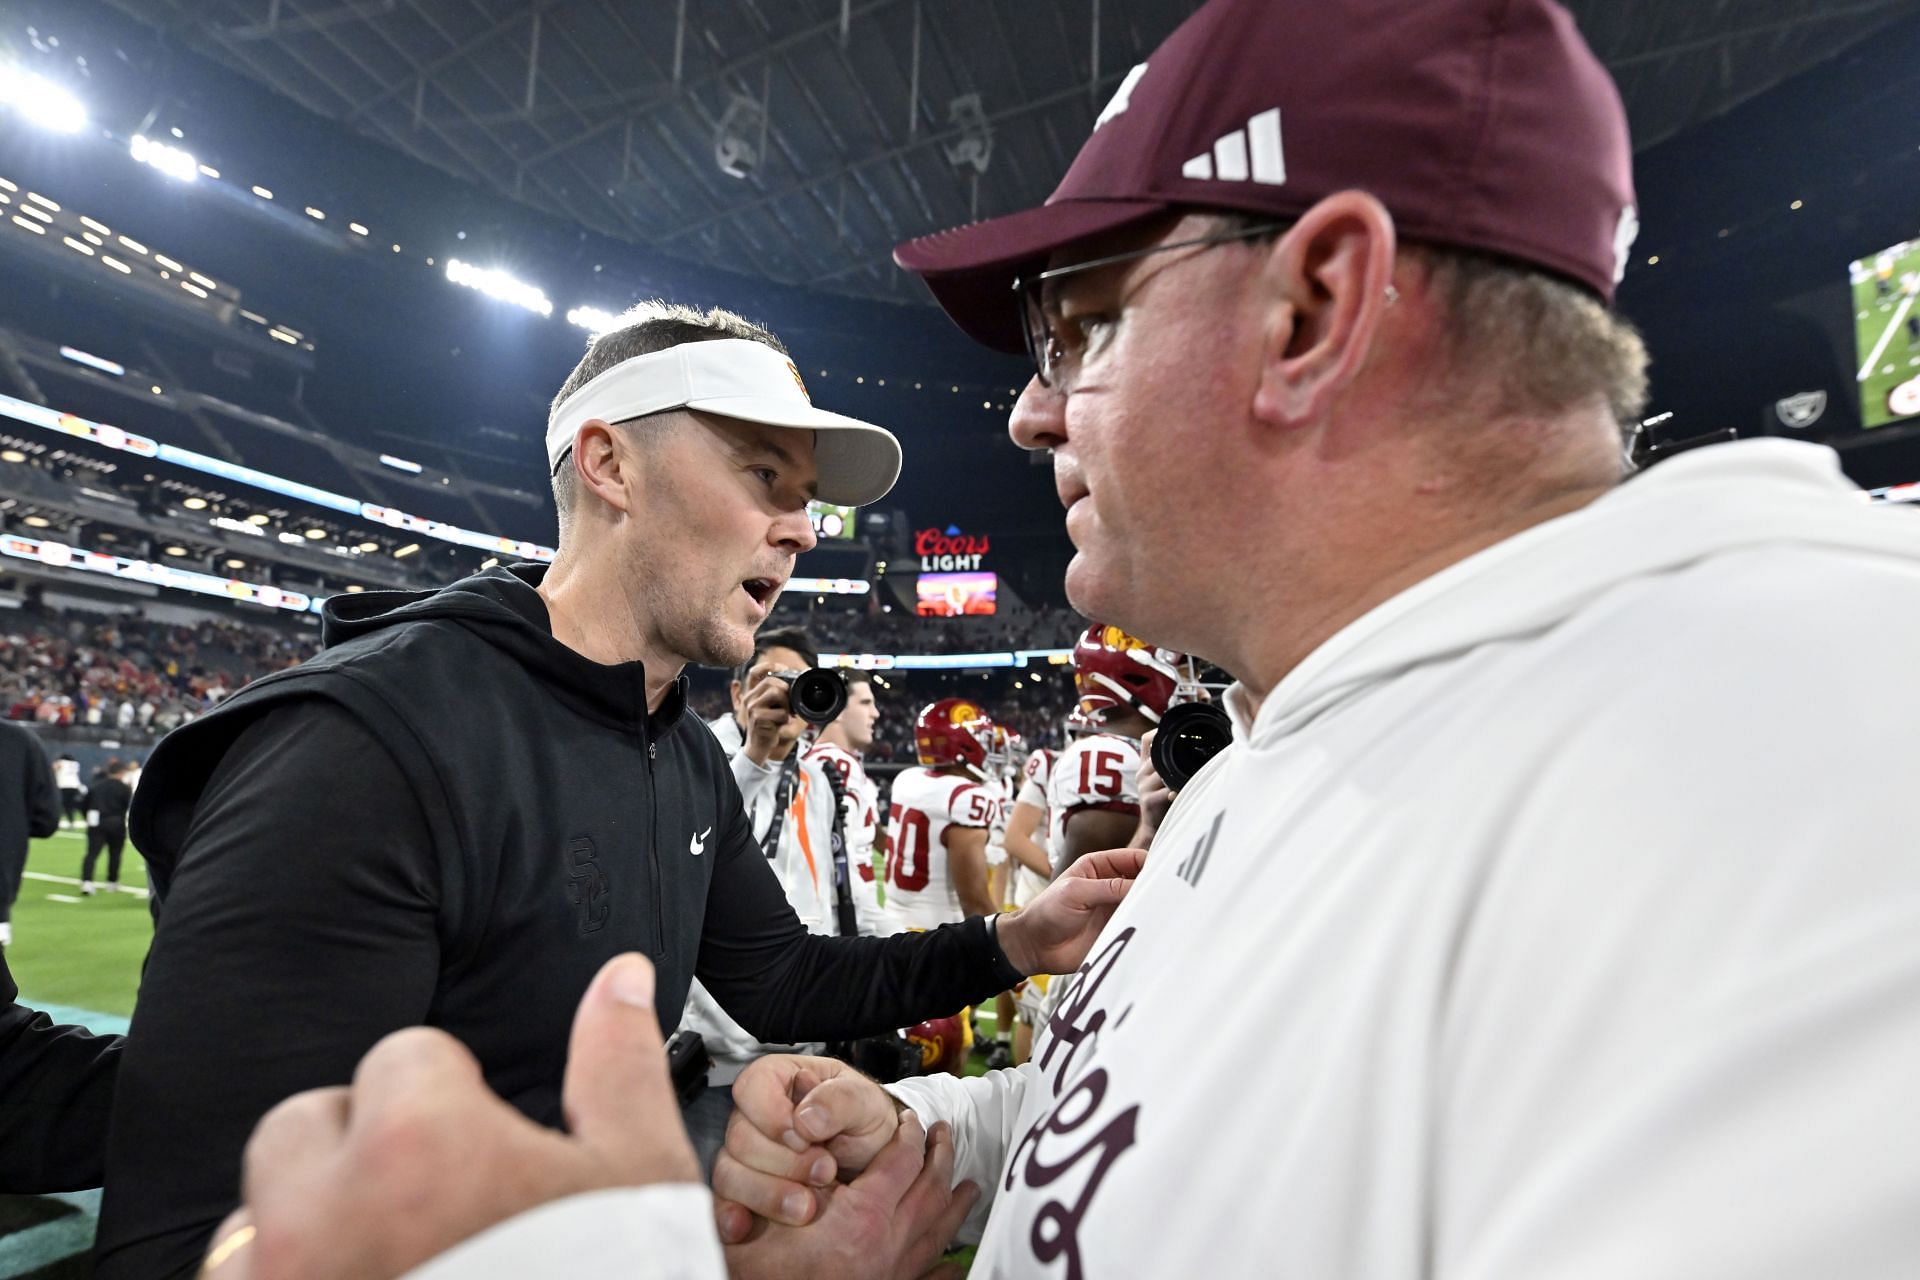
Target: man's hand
[1155, 797]
[771, 723]
[419, 1154]
[895, 1219]
[799, 1124]
[1054, 932]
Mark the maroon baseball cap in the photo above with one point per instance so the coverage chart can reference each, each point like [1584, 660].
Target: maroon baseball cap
[1480, 124]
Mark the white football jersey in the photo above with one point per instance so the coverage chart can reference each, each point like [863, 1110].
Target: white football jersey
[1033, 791]
[862, 825]
[920, 893]
[1002, 789]
[1096, 772]
[1034, 777]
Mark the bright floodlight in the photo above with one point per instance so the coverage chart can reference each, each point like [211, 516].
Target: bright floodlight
[172, 161]
[593, 320]
[498, 284]
[40, 100]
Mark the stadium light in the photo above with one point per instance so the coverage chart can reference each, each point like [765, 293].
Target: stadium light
[498, 284]
[92, 361]
[593, 320]
[176, 163]
[41, 101]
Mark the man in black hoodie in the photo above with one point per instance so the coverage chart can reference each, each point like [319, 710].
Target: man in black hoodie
[476, 797]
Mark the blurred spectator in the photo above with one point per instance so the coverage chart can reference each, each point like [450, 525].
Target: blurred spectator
[130, 674]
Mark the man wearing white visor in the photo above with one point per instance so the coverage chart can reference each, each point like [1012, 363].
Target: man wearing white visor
[497, 791]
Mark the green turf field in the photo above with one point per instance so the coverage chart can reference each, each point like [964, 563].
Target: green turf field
[73, 951]
[1886, 313]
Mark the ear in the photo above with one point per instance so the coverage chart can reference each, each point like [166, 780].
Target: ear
[1328, 277]
[606, 465]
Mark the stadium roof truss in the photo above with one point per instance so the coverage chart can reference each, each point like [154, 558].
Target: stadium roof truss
[843, 126]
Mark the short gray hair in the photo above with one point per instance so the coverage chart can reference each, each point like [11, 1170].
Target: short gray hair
[1535, 342]
[646, 327]
[1530, 340]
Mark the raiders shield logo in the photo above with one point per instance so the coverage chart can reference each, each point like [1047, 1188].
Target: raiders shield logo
[1801, 411]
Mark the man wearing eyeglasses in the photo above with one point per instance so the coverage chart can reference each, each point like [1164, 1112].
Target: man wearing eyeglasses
[1559, 879]
[1560, 883]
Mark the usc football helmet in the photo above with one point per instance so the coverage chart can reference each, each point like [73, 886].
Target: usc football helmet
[954, 731]
[1113, 669]
[943, 1043]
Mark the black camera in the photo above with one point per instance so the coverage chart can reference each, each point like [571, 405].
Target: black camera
[687, 1063]
[817, 695]
[1190, 734]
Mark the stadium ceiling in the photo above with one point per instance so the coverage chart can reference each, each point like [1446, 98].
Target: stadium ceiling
[848, 125]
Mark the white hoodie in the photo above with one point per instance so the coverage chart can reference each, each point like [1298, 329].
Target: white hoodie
[1557, 920]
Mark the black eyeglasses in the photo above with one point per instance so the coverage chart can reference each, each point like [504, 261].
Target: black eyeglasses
[1044, 347]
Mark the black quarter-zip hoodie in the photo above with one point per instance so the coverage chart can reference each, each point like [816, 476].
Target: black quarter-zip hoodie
[449, 818]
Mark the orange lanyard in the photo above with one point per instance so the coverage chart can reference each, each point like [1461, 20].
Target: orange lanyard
[798, 813]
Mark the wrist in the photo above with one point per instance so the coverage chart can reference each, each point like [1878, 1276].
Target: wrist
[1008, 932]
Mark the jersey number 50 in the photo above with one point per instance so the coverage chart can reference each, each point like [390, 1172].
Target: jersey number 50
[907, 839]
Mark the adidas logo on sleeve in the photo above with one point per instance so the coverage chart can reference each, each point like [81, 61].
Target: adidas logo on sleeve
[1250, 153]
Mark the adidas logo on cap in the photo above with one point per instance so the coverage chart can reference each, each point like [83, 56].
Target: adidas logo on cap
[1253, 152]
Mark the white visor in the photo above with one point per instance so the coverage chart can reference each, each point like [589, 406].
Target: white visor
[735, 378]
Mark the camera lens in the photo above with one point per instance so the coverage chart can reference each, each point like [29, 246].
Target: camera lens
[1190, 735]
[817, 696]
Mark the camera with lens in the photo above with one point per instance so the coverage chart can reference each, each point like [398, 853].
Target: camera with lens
[1190, 734]
[817, 695]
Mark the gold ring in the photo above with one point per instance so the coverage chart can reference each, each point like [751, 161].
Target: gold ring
[240, 1239]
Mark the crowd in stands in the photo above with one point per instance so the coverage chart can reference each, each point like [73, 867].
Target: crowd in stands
[135, 679]
[902, 632]
[128, 676]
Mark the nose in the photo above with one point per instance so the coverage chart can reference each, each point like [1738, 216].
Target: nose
[1039, 418]
[793, 532]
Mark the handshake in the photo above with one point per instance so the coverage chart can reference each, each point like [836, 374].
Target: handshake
[822, 1174]
[867, 1191]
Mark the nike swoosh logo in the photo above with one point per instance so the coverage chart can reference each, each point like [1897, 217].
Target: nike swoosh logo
[698, 844]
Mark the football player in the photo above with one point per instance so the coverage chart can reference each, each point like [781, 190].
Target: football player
[937, 825]
[1000, 780]
[1125, 686]
[1032, 867]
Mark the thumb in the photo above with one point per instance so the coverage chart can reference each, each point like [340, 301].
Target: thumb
[849, 1105]
[617, 1094]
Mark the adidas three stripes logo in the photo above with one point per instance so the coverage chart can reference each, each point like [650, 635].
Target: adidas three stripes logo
[1250, 153]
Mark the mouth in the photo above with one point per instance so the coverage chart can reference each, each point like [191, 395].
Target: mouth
[762, 591]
